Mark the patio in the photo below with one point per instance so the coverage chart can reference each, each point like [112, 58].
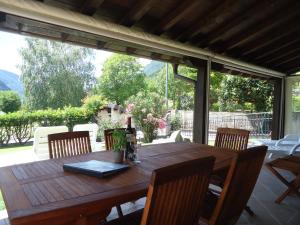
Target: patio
[256, 39]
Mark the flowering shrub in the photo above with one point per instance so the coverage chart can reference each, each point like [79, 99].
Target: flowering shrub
[147, 110]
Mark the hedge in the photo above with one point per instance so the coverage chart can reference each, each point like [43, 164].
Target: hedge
[19, 125]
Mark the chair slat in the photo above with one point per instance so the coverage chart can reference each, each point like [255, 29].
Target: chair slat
[232, 138]
[176, 193]
[69, 144]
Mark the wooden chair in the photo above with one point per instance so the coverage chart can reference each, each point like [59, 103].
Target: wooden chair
[226, 208]
[69, 144]
[108, 137]
[109, 146]
[232, 138]
[175, 195]
[292, 164]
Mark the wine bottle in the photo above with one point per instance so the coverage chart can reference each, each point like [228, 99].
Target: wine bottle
[130, 136]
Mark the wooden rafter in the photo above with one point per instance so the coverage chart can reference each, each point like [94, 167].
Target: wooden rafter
[200, 22]
[89, 7]
[280, 54]
[214, 35]
[137, 12]
[271, 49]
[269, 37]
[276, 19]
[175, 15]
[288, 65]
[294, 70]
[289, 58]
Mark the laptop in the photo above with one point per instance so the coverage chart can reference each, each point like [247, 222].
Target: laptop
[95, 168]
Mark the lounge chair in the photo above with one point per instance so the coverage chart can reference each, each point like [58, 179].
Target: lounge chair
[40, 143]
[92, 128]
[287, 145]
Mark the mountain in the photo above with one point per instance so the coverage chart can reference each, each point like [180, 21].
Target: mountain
[11, 81]
[153, 67]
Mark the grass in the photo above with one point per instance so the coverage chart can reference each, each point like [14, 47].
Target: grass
[14, 148]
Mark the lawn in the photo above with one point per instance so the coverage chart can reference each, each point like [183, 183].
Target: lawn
[14, 148]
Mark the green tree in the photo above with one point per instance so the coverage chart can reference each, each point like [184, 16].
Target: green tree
[180, 93]
[245, 94]
[55, 74]
[122, 77]
[9, 101]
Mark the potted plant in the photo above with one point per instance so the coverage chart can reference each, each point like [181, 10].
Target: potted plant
[119, 145]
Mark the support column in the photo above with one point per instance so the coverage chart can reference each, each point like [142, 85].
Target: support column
[278, 109]
[200, 125]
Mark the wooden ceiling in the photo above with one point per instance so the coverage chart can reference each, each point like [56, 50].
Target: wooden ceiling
[261, 32]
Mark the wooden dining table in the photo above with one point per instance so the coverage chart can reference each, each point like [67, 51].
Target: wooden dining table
[43, 193]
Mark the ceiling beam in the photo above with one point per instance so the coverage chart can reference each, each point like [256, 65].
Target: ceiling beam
[89, 7]
[203, 20]
[217, 32]
[281, 53]
[277, 18]
[137, 12]
[294, 70]
[175, 15]
[288, 65]
[269, 37]
[275, 46]
[290, 58]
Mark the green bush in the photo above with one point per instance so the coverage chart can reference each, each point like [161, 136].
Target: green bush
[175, 122]
[106, 124]
[19, 125]
[9, 101]
[94, 103]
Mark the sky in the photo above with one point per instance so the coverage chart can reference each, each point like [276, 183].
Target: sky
[10, 58]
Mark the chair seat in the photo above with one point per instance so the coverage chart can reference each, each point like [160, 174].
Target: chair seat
[129, 219]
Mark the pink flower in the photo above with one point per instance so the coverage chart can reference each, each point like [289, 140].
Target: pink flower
[130, 107]
[161, 124]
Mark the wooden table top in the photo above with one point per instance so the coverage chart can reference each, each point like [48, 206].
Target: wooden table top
[42, 190]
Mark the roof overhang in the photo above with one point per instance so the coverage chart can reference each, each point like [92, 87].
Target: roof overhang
[78, 23]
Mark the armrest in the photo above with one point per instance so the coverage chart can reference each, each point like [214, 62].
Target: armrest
[293, 150]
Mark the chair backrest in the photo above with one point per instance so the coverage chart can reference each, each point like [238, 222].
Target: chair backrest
[40, 142]
[92, 128]
[239, 184]
[69, 144]
[109, 139]
[176, 193]
[232, 138]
